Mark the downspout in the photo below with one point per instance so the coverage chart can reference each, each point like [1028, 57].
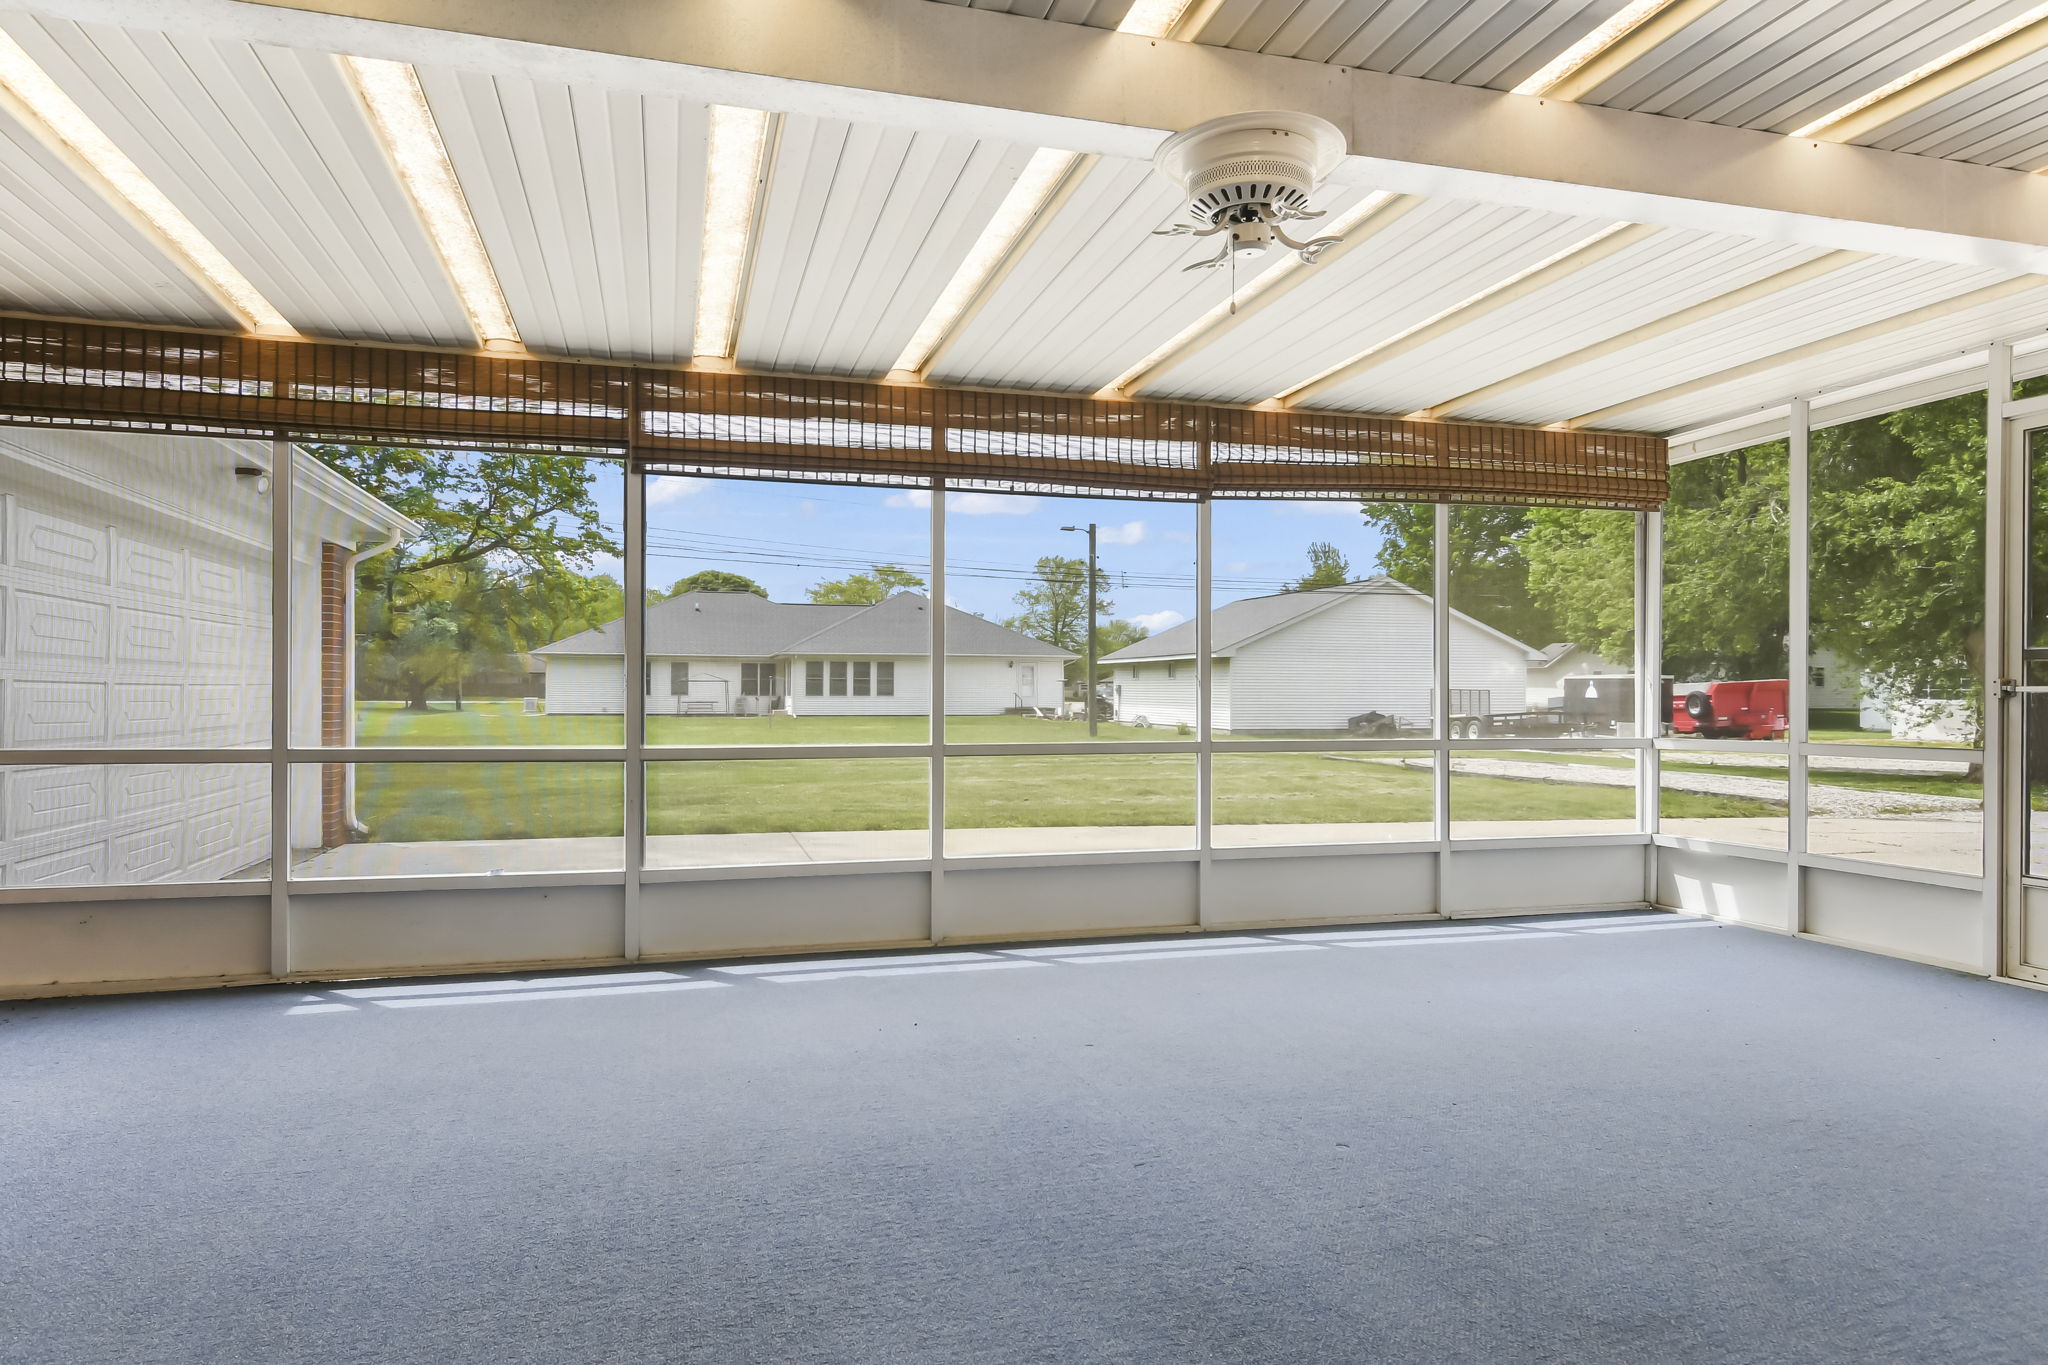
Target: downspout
[348, 666]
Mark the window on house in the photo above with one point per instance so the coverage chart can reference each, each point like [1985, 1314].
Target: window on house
[885, 678]
[860, 571]
[1817, 677]
[1172, 670]
[679, 679]
[861, 678]
[647, 677]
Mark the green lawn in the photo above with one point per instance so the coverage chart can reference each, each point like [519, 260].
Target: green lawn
[505, 723]
[417, 802]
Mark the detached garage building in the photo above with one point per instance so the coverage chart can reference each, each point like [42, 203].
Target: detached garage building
[1312, 660]
[738, 654]
[135, 588]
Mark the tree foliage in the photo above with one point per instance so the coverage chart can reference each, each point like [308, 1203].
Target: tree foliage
[1896, 559]
[495, 565]
[861, 589]
[1327, 568]
[1898, 548]
[1114, 635]
[1727, 566]
[1054, 605]
[709, 580]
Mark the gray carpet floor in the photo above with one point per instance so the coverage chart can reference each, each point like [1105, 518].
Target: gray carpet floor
[1570, 1141]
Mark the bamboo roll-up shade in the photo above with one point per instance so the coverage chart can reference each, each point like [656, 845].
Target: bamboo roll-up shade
[743, 425]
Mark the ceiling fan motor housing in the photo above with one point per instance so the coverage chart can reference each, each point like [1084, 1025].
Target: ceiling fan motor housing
[1267, 161]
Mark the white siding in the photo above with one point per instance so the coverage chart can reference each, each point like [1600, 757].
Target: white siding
[1145, 693]
[584, 685]
[714, 686]
[591, 685]
[978, 686]
[1484, 662]
[1370, 652]
[912, 698]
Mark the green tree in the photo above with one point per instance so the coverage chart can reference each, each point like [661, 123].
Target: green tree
[708, 580]
[1054, 606]
[1727, 566]
[1489, 570]
[1327, 568]
[1582, 574]
[1897, 549]
[861, 589]
[1111, 636]
[431, 610]
[553, 604]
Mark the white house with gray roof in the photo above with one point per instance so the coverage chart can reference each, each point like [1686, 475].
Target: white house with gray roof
[1307, 662]
[735, 653]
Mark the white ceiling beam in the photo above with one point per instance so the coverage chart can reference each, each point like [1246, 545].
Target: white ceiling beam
[1932, 312]
[911, 63]
[1648, 331]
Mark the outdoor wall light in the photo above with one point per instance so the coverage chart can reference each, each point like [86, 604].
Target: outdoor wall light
[259, 475]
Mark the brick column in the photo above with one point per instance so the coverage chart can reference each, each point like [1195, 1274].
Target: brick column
[334, 708]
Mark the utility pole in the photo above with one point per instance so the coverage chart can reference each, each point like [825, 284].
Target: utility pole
[1088, 697]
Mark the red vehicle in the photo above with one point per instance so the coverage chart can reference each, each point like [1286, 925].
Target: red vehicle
[1732, 710]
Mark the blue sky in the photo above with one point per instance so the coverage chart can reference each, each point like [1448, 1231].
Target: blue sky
[789, 536]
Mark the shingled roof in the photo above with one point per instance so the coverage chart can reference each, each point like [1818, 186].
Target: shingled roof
[741, 625]
[1236, 624]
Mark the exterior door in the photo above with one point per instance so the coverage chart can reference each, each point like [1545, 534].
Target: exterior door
[1027, 684]
[2024, 703]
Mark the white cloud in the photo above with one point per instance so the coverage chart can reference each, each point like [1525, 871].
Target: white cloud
[1236, 566]
[967, 504]
[669, 488]
[1322, 507]
[1130, 533]
[990, 504]
[1156, 621]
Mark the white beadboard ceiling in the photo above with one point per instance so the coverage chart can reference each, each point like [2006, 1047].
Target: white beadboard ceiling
[589, 202]
[266, 150]
[69, 251]
[1418, 266]
[860, 229]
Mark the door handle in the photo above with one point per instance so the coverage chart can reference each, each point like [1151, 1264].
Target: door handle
[2007, 688]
